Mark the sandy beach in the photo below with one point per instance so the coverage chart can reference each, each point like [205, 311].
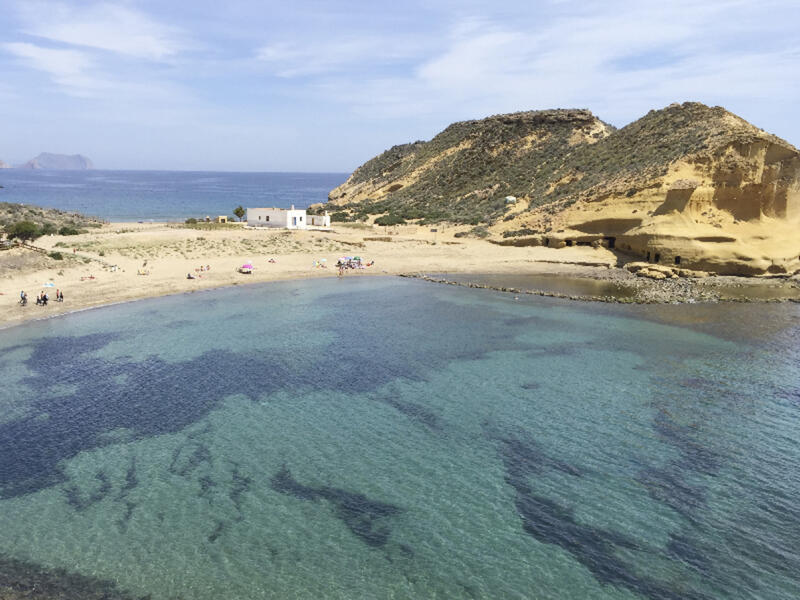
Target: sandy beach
[127, 261]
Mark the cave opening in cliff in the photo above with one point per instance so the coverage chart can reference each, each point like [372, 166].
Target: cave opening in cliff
[569, 242]
[648, 257]
[612, 241]
[677, 260]
[657, 257]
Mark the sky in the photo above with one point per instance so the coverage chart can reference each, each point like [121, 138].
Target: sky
[324, 86]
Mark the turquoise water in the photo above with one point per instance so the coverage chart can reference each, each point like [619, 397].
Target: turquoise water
[388, 438]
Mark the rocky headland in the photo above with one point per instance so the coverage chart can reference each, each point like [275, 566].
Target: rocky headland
[688, 190]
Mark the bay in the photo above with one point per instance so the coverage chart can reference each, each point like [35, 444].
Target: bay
[388, 438]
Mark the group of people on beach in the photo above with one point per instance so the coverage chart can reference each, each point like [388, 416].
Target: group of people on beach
[202, 269]
[348, 262]
[42, 299]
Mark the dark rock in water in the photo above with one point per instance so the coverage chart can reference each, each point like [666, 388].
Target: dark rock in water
[531, 385]
[239, 485]
[63, 162]
[685, 549]
[80, 501]
[696, 456]
[414, 411]
[126, 517]
[131, 481]
[361, 515]
[523, 456]
[20, 579]
[214, 535]
[551, 523]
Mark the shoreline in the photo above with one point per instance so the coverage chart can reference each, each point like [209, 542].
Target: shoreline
[122, 262]
[638, 291]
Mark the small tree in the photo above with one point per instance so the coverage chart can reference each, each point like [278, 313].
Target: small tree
[239, 212]
[23, 230]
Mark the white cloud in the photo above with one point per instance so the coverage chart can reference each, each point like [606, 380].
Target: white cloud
[296, 59]
[79, 75]
[104, 27]
[619, 61]
[66, 67]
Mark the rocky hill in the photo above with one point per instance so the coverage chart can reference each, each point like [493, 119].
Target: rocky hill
[50, 220]
[47, 160]
[689, 185]
[465, 173]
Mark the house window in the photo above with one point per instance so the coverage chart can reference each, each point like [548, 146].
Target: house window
[301, 219]
[259, 217]
[266, 218]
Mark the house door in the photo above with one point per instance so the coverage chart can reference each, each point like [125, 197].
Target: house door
[294, 221]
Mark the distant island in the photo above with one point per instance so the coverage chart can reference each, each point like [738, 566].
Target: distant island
[63, 162]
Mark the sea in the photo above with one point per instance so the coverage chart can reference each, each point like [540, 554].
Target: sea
[125, 196]
[378, 437]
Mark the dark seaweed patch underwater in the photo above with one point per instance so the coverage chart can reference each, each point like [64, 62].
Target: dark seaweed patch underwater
[382, 437]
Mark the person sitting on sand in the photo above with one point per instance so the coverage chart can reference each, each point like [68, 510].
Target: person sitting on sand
[189, 276]
[272, 260]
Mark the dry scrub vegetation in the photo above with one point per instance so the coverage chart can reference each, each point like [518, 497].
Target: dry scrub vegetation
[201, 247]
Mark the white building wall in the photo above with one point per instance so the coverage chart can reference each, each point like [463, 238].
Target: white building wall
[319, 220]
[277, 217]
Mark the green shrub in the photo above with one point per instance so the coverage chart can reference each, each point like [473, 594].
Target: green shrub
[191, 221]
[24, 230]
[390, 219]
[68, 230]
[341, 216]
[102, 253]
[56, 256]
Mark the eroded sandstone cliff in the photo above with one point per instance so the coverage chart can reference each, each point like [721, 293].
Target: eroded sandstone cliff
[689, 186]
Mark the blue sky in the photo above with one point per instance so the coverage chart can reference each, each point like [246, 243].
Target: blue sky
[324, 86]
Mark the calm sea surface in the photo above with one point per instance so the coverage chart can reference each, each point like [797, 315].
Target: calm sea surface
[389, 438]
[163, 195]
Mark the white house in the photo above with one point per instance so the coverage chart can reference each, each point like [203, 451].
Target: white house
[323, 221]
[290, 218]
